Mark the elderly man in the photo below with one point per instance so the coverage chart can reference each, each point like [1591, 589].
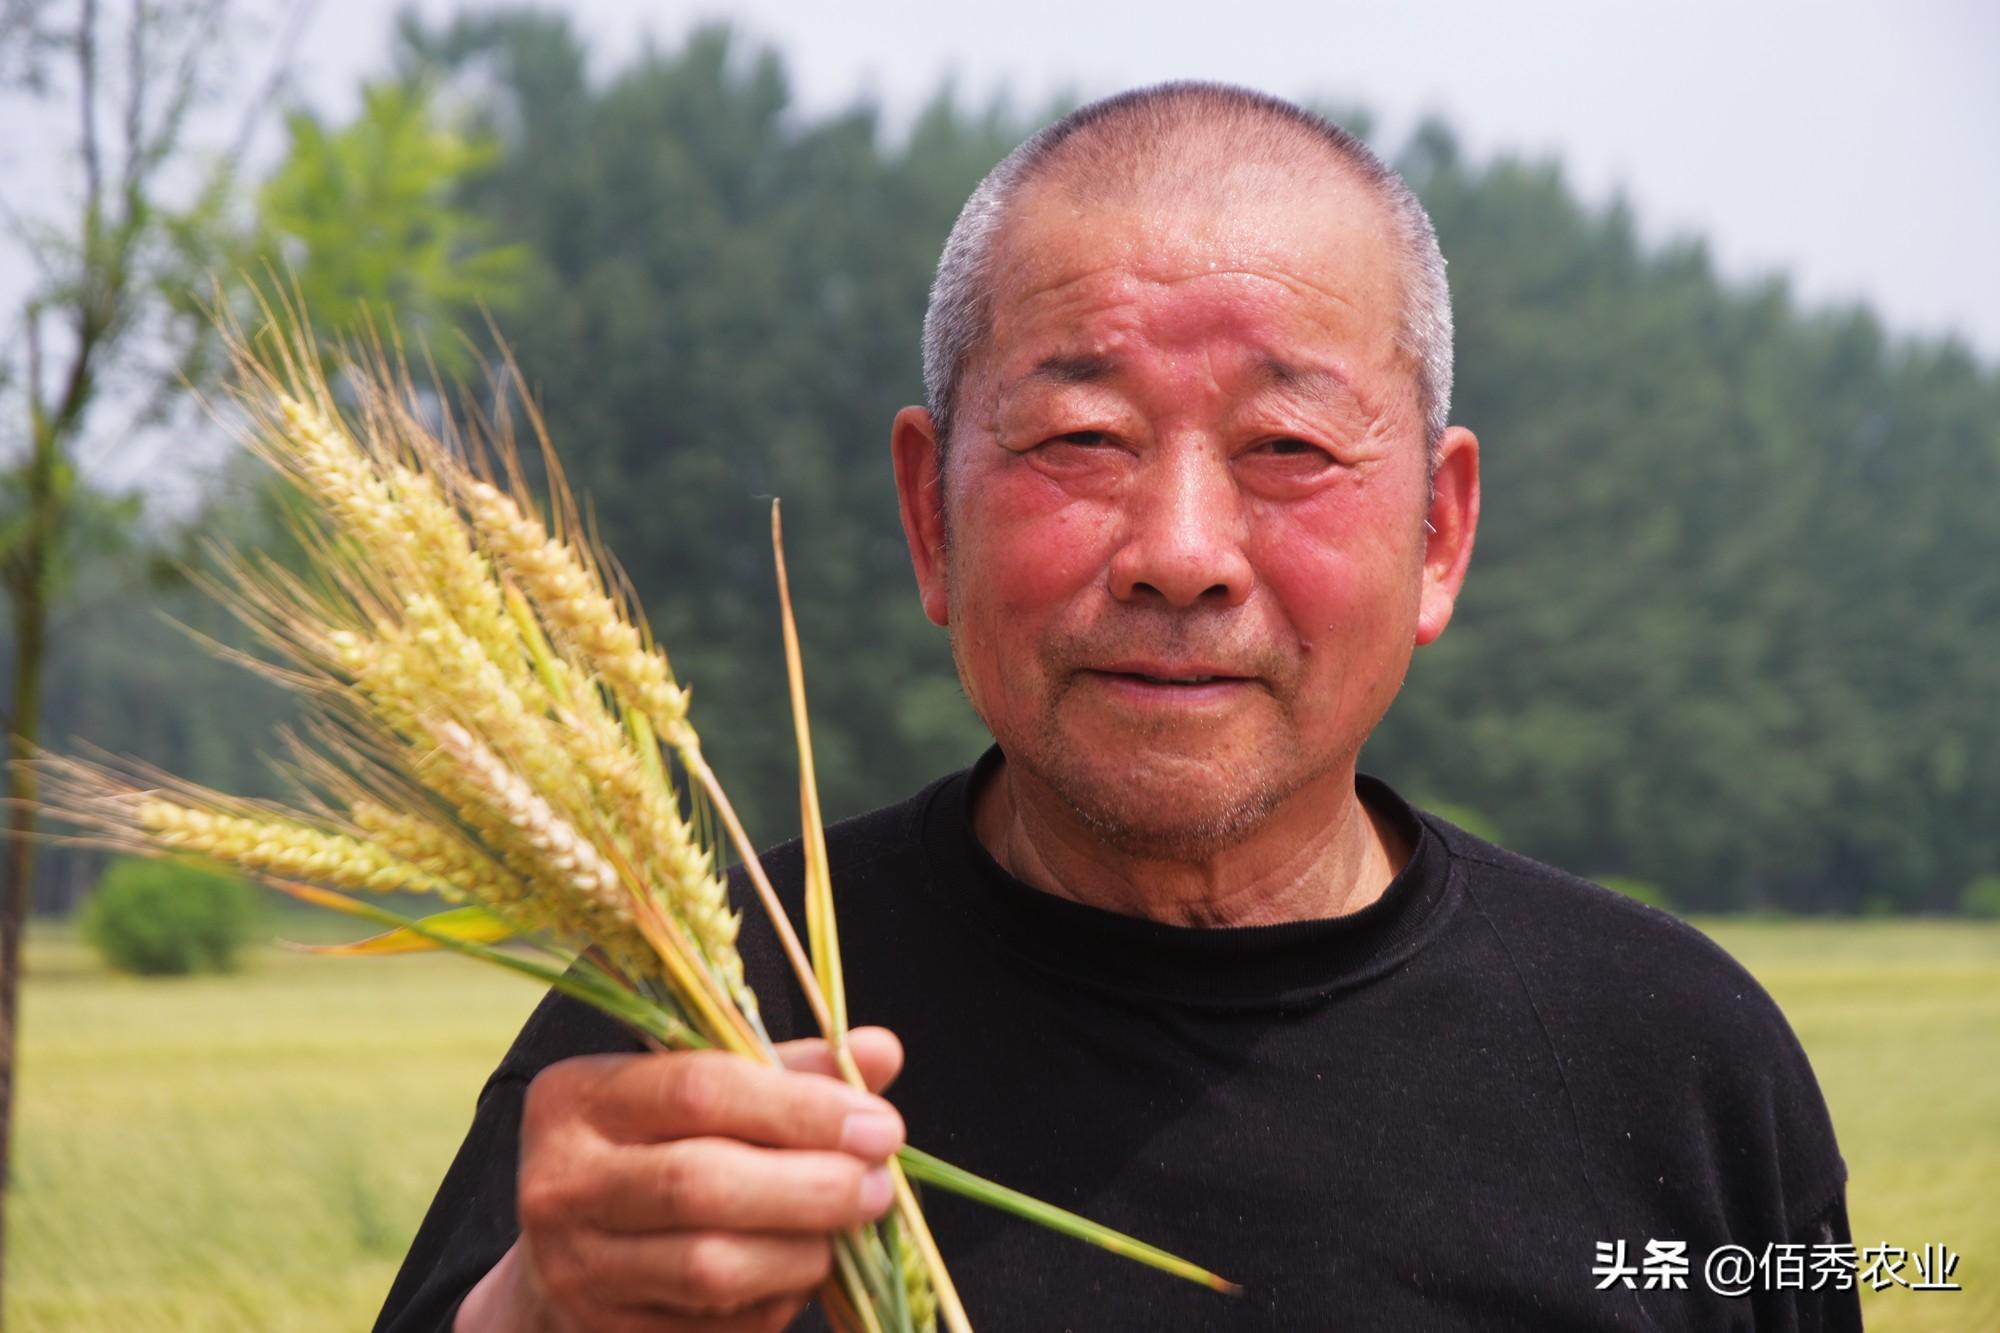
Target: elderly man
[1186, 499]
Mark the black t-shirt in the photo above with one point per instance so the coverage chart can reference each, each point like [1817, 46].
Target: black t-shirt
[1429, 1113]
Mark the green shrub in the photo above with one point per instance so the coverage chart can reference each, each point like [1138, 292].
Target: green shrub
[167, 918]
[1982, 898]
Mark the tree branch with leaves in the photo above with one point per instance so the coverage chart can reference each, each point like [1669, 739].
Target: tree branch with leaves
[110, 327]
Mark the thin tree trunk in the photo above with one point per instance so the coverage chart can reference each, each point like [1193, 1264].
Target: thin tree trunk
[118, 217]
[28, 584]
[20, 881]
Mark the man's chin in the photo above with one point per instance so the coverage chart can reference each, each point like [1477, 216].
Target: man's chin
[1169, 806]
[1143, 835]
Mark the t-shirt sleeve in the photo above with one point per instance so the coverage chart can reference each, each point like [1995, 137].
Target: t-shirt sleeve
[471, 1222]
[1831, 1309]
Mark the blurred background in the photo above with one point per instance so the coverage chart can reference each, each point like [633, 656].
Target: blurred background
[1728, 329]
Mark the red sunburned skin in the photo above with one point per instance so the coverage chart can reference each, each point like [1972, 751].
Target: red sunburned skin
[1188, 559]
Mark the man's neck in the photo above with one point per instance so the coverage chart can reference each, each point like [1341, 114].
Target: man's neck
[1324, 852]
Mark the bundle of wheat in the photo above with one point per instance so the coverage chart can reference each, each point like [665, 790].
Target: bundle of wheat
[490, 721]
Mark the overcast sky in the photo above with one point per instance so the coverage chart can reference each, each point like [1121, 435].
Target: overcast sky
[1850, 144]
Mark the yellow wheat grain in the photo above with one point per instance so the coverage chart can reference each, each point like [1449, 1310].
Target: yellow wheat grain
[417, 541]
[453, 674]
[573, 602]
[395, 678]
[428, 666]
[585, 883]
[566, 854]
[276, 846]
[381, 670]
[658, 839]
[343, 480]
[439, 852]
[410, 683]
[463, 580]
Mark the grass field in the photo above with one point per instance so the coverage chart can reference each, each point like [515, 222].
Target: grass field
[253, 1152]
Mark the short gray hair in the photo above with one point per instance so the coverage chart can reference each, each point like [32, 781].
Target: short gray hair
[961, 304]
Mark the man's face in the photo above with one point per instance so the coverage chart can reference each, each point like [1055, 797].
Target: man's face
[1187, 556]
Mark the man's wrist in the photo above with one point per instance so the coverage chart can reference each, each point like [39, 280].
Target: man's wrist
[506, 1300]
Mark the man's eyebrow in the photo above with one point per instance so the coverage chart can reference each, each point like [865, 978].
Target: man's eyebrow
[1315, 382]
[1071, 369]
[1312, 381]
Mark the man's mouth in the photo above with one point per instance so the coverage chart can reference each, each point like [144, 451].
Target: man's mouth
[1194, 677]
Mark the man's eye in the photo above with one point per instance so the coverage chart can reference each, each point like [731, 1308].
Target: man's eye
[1288, 446]
[1086, 438]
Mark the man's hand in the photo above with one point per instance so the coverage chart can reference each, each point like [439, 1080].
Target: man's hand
[691, 1190]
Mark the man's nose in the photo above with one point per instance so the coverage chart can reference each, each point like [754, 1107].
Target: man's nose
[1184, 530]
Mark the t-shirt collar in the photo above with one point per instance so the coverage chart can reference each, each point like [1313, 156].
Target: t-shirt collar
[1228, 966]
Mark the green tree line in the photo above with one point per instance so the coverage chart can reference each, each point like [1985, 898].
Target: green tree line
[1732, 627]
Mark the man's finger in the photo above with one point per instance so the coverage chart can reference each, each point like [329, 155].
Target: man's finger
[690, 1094]
[877, 1052]
[719, 1184]
[707, 1273]
[767, 1316]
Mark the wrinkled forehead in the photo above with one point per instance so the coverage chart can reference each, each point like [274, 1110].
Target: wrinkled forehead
[1312, 262]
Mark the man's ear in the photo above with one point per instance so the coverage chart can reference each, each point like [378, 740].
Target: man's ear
[1453, 517]
[913, 444]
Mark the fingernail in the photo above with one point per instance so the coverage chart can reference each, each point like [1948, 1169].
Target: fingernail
[871, 1134]
[876, 1192]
